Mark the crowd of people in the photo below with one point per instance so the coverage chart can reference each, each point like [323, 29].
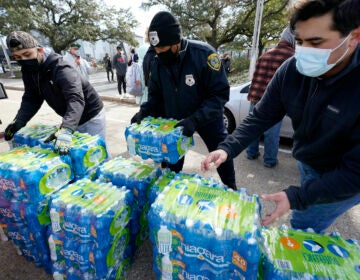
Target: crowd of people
[310, 76]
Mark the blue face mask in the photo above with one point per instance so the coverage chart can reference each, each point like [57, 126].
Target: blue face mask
[312, 62]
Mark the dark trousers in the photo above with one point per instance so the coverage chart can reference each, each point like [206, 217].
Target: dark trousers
[212, 134]
[108, 71]
[121, 82]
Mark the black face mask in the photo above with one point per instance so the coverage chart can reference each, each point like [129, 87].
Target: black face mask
[29, 65]
[168, 57]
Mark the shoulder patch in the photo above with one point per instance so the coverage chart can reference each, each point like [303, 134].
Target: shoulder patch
[214, 61]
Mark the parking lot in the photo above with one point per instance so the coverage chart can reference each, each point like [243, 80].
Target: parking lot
[250, 174]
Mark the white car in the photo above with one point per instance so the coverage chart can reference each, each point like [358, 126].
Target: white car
[237, 109]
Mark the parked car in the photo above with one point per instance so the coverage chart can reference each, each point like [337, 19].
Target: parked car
[237, 108]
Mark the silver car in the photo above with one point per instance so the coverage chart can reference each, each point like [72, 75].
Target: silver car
[237, 108]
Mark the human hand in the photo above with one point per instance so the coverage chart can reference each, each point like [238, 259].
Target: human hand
[216, 157]
[138, 117]
[63, 140]
[282, 206]
[188, 125]
[12, 128]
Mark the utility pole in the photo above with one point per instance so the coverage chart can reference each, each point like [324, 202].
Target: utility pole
[256, 34]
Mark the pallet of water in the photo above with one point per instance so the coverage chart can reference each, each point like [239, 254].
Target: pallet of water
[32, 173]
[86, 152]
[90, 231]
[158, 139]
[297, 254]
[204, 231]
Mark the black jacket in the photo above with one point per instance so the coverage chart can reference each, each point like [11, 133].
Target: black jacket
[64, 89]
[147, 61]
[325, 116]
[195, 87]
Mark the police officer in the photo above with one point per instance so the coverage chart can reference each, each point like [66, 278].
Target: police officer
[187, 83]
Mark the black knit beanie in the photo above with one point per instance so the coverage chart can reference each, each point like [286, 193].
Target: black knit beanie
[164, 30]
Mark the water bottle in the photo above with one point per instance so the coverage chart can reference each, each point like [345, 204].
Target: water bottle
[164, 240]
[52, 247]
[166, 267]
[131, 144]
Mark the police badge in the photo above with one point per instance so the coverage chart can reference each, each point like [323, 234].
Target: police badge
[189, 80]
[154, 38]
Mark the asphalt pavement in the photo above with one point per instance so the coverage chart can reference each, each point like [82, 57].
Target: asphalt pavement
[249, 174]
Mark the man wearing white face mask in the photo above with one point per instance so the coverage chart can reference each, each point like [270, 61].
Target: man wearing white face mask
[319, 90]
[74, 58]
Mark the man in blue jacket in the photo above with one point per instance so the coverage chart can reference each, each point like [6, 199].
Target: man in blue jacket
[319, 90]
[48, 78]
[187, 83]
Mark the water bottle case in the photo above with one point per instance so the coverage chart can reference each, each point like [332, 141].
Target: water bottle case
[32, 173]
[86, 152]
[205, 230]
[90, 229]
[296, 254]
[158, 139]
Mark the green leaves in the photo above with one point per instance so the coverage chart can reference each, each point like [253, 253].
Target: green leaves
[65, 21]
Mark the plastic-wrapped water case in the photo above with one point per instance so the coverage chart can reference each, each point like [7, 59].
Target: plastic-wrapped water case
[90, 234]
[158, 139]
[135, 176]
[296, 254]
[202, 231]
[33, 135]
[86, 152]
[32, 173]
[158, 186]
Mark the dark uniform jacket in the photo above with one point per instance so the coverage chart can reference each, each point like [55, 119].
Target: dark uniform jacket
[195, 87]
[60, 85]
[325, 116]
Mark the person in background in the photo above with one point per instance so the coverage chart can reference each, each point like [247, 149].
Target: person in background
[146, 56]
[227, 63]
[133, 57]
[319, 90]
[47, 77]
[189, 84]
[265, 68]
[83, 66]
[120, 64]
[108, 67]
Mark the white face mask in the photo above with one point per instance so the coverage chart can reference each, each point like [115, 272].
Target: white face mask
[76, 52]
[312, 62]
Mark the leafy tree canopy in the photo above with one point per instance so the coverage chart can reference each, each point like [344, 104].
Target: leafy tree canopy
[220, 22]
[61, 22]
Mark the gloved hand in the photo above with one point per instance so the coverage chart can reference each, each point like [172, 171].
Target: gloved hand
[63, 141]
[12, 128]
[138, 117]
[189, 126]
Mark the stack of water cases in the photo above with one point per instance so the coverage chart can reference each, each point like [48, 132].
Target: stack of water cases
[90, 231]
[137, 177]
[295, 254]
[86, 152]
[27, 177]
[156, 138]
[204, 232]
